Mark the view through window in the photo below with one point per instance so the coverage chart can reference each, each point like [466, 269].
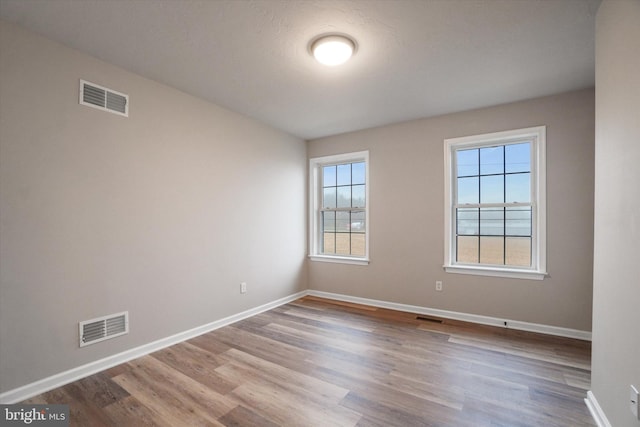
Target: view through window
[493, 207]
[343, 209]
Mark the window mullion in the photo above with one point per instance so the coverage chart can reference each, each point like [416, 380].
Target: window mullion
[341, 209]
[492, 205]
[479, 204]
[504, 210]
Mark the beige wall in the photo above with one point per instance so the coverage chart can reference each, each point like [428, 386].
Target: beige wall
[162, 214]
[407, 215]
[616, 277]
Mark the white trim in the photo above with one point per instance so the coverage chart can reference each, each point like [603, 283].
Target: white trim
[596, 411]
[339, 259]
[25, 392]
[314, 204]
[538, 203]
[495, 272]
[466, 317]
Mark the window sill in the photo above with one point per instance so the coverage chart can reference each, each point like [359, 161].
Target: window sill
[495, 272]
[339, 259]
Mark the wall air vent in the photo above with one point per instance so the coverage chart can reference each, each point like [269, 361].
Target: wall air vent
[96, 96]
[103, 328]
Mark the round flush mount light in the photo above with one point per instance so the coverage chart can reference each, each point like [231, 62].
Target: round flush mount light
[332, 49]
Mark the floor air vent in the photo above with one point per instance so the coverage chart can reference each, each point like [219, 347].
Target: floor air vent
[103, 328]
[429, 319]
[96, 96]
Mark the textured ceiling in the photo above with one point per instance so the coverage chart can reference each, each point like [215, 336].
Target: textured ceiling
[415, 58]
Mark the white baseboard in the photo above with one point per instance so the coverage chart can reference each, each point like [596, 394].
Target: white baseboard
[596, 411]
[62, 378]
[473, 318]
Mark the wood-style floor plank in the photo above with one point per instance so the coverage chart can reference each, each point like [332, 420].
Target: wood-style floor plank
[130, 410]
[316, 362]
[242, 417]
[197, 364]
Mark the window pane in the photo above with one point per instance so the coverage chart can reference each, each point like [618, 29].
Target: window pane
[495, 209]
[492, 189]
[468, 191]
[343, 243]
[343, 221]
[491, 160]
[358, 173]
[329, 243]
[467, 221]
[328, 176]
[467, 162]
[344, 174]
[328, 222]
[358, 222]
[492, 221]
[518, 188]
[467, 247]
[344, 197]
[329, 197]
[492, 250]
[518, 251]
[518, 157]
[340, 185]
[357, 196]
[518, 221]
[358, 244]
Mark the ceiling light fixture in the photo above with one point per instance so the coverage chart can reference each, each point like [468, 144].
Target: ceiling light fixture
[332, 49]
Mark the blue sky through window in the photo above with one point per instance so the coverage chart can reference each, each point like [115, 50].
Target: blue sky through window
[500, 174]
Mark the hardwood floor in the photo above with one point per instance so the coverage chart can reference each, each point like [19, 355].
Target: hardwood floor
[314, 362]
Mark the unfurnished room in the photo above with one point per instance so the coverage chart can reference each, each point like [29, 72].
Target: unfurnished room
[320, 212]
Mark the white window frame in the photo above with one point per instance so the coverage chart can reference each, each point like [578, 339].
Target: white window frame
[315, 204]
[537, 137]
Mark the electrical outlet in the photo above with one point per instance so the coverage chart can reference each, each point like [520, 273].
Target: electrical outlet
[635, 402]
[243, 287]
[439, 285]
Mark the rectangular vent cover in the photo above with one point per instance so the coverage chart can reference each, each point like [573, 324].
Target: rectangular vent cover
[96, 96]
[429, 319]
[103, 328]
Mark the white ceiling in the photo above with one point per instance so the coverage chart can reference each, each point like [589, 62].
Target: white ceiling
[416, 58]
